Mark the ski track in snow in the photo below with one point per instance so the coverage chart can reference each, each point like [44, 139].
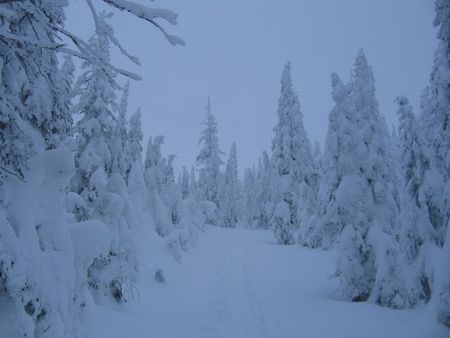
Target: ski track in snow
[239, 284]
[237, 311]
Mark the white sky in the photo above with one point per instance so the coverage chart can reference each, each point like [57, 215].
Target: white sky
[235, 52]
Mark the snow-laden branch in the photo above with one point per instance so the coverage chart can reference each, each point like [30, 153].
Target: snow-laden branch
[84, 56]
[150, 15]
[130, 57]
[144, 12]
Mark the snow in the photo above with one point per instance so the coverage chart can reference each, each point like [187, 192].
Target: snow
[240, 283]
[90, 239]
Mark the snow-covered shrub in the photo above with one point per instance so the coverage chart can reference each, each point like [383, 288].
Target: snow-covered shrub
[283, 228]
[115, 273]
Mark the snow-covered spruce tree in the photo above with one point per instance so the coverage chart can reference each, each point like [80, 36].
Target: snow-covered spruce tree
[263, 193]
[307, 235]
[340, 142]
[414, 161]
[318, 171]
[440, 96]
[68, 77]
[232, 192]
[427, 186]
[293, 165]
[120, 161]
[193, 184]
[360, 192]
[160, 179]
[154, 178]
[184, 184]
[416, 229]
[135, 138]
[170, 192]
[435, 126]
[95, 89]
[434, 123]
[250, 186]
[209, 161]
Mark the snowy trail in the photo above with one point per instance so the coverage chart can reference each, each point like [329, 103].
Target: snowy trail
[239, 284]
[237, 311]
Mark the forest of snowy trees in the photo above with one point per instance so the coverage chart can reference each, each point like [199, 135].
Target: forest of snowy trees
[83, 212]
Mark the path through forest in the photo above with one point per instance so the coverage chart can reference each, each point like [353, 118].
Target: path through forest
[239, 284]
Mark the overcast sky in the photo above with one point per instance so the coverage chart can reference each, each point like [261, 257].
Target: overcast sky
[235, 51]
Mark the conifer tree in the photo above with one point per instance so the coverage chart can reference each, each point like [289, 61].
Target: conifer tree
[184, 184]
[250, 186]
[135, 137]
[95, 88]
[263, 193]
[341, 136]
[361, 191]
[416, 229]
[193, 183]
[434, 116]
[436, 129]
[231, 201]
[154, 162]
[292, 162]
[209, 160]
[120, 161]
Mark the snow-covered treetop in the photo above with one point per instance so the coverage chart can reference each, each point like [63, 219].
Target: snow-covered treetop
[407, 123]
[231, 169]
[363, 84]
[291, 147]
[339, 90]
[153, 157]
[97, 84]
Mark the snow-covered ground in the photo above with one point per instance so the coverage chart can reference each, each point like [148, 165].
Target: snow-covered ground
[239, 283]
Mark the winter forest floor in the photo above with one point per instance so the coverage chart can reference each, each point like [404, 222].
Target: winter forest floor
[239, 283]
